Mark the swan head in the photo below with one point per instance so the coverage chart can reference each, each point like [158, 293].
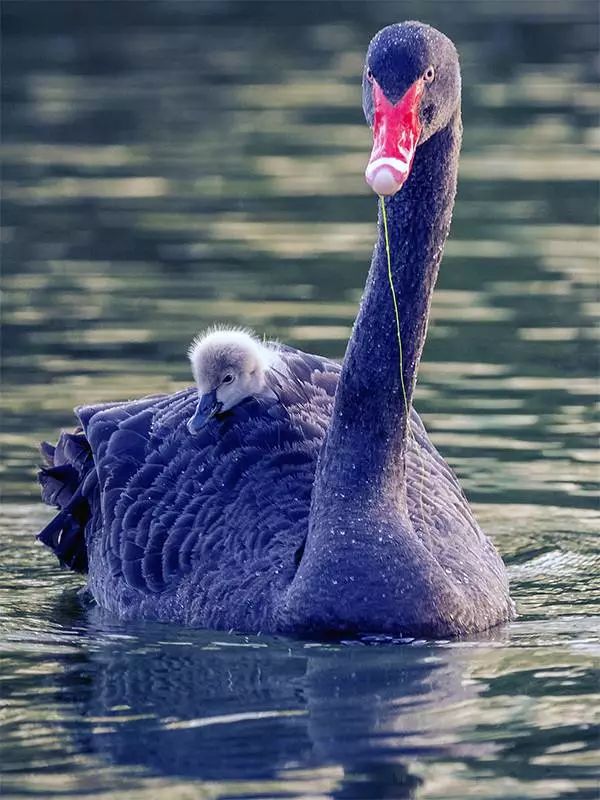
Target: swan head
[228, 365]
[411, 90]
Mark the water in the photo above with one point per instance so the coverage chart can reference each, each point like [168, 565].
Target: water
[171, 164]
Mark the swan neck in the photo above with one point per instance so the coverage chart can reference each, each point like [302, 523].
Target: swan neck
[369, 428]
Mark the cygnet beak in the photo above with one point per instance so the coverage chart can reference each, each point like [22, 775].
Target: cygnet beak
[208, 406]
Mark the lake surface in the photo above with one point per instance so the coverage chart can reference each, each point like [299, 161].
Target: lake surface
[172, 164]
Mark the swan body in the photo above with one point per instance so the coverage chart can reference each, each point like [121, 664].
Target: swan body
[318, 507]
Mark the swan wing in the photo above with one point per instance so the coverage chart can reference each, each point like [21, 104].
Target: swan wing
[168, 518]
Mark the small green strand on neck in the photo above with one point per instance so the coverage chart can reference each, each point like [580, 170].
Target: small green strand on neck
[410, 432]
[395, 302]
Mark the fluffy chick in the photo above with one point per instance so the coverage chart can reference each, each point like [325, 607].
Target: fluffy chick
[228, 365]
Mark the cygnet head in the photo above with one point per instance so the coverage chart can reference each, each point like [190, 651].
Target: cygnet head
[228, 366]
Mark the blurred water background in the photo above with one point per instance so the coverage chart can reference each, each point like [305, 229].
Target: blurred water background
[172, 164]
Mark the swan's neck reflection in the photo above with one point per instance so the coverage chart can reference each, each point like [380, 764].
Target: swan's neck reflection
[223, 708]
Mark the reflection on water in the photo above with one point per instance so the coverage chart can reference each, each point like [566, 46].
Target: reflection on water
[172, 164]
[142, 710]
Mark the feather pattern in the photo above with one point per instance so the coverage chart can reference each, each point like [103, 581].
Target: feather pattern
[198, 529]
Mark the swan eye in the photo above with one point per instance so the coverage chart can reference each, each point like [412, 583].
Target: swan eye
[228, 379]
[369, 75]
[429, 75]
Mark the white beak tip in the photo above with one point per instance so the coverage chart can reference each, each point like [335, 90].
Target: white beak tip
[383, 182]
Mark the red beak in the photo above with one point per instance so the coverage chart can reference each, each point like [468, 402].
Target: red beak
[396, 131]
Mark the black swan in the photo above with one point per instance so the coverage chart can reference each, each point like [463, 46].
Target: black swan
[323, 510]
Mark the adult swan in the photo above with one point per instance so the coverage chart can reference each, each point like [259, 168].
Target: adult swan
[299, 512]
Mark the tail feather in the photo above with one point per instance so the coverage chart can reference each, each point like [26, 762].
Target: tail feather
[48, 450]
[74, 449]
[59, 484]
[65, 536]
[66, 483]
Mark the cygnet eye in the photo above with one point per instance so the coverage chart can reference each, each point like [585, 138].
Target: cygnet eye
[429, 75]
[228, 379]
